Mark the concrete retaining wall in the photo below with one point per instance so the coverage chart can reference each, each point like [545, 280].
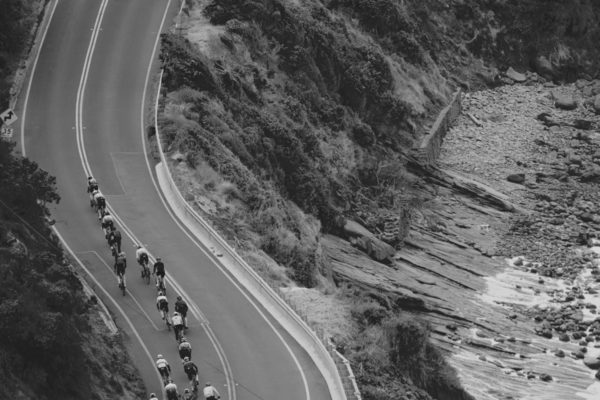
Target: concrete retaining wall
[429, 150]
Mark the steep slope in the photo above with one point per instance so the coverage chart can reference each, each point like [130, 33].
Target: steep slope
[56, 344]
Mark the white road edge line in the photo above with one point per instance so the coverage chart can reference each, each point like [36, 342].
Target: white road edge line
[33, 68]
[117, 306]
[87, 170]
[137, 303]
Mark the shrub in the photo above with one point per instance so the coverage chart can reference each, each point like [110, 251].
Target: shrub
[412, 354]
[369, 313]
[184, 65]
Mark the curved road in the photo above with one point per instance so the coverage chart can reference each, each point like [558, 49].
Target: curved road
[234, 346]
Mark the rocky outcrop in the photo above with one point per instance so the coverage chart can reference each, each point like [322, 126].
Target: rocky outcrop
[515, 76]
[362, 238]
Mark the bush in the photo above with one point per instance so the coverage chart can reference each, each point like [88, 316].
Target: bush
[368, 314]
[184, 65]
[412, 354]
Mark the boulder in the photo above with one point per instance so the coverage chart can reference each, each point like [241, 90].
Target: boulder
[544, 67]
[564, 337]
[515, 76]
[516, 178]
[362, 238]
[592, 362]
[565, 102]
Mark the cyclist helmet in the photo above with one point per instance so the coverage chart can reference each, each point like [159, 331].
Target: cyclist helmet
[175, 313]
[139, 246]
[159, 356]
[183, 339]
[161, 293]
[122, 253]
[186, 359]
[207, 383]
[186, 390]
[158, 258]
[106, 212]
[178, 297]
[90, 178]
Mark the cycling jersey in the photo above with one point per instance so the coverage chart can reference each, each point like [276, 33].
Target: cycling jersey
[114, 237]
[177, 320]
[185, 346]
[121, 269]
[162, 363]
[171, 391]
[162, 303]
[107, 220]
[121, 260]
[159, 268]
[185, 350]
[141, 252]
[97, 195]
[181, 307]
[210, 393]
[190, 368]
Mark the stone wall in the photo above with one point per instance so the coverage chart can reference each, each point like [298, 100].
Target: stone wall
[429, 149]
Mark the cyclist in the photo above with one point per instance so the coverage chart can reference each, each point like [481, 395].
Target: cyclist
[210, 393]
[153, 396]
[162, 304]
[120, 266]
[107, 223]
[185, 349]
[141, 255]
[171, 390]
[92, 186]
[164, 369]
[182, 308]
[114, 238]
[177, 323]
[100, 202]
[191, 371]
[159, 271]
[187, 395]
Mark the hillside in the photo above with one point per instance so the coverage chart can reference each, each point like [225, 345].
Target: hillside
[57, 342]
[291, 126]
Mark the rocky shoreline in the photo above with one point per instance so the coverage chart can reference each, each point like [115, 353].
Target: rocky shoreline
[539, 144]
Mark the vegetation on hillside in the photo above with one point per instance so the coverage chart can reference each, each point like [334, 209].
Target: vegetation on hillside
[16, 21]
[50, 348]
[299, 115]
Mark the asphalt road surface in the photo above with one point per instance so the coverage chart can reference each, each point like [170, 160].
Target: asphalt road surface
[89, 81]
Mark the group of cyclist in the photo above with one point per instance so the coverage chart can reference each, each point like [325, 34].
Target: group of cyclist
[179, 319]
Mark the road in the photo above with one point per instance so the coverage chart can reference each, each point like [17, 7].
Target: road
[90, 80]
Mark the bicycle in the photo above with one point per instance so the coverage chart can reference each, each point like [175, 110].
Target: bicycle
[195, 383]
[114, 252]
[160, 284]
[164, 374]
[122, 282]
[145, 271]
[165, 315]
